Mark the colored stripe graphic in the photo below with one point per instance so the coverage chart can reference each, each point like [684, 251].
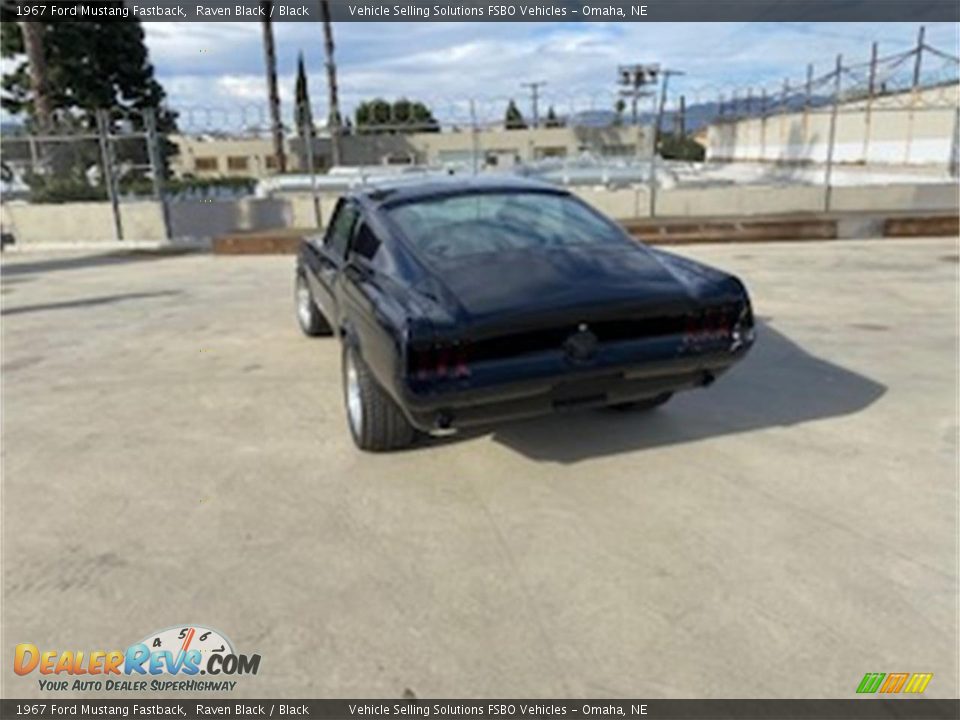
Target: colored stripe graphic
[870, 682]
[918, 682]
[894, 683]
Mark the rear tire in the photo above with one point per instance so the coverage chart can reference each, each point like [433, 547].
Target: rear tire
[309, 317]
[646, 404]
[376, 423]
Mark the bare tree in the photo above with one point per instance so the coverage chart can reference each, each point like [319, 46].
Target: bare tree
[37, 61]
[273, 93]
[334, 119]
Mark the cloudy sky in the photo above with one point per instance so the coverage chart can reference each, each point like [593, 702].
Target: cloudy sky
[220, 65]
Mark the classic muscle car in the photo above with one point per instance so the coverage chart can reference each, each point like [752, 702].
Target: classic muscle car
[469, 302]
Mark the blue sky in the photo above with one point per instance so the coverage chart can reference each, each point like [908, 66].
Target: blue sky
[220, 65]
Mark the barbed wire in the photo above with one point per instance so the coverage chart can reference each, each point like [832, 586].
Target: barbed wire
[923, 77]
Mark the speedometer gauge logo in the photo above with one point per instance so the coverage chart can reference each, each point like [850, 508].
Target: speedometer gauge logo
[181, 639]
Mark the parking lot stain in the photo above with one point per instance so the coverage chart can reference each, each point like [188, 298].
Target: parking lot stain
[870, 326]
[71, 570]
[21, 363]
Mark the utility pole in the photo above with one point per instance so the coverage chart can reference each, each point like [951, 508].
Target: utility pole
[273, 93]
[666, 75]
[37, 61]
[656, 137]
[334, 119]
[634, 79]
[534, 96]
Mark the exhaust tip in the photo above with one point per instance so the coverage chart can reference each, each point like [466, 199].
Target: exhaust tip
[443, 425]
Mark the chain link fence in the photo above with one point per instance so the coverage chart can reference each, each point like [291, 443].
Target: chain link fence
[115, 155]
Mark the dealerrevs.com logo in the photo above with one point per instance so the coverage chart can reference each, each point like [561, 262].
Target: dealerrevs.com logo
[170, 659]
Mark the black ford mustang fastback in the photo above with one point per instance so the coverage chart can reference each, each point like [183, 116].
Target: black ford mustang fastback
[467, 302]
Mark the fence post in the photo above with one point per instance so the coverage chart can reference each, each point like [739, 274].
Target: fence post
[868, 110]
[784, 110]
[157, 167]
[918, 61]
[306, 134]
[763, 124]
[109, 173]
[682, 124]
[955, 150]
[474, 137]
[653, 174]
[34, 158]
[828, 173]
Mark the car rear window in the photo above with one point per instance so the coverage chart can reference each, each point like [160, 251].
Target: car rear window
[450, 227]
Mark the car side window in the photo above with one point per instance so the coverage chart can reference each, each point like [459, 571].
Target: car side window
[341, 227]
[364, 243]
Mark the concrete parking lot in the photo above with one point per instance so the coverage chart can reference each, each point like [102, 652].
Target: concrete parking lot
[174, 451]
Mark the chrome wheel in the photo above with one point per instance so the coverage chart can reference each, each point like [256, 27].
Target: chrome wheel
[304, 301]
[354, 404]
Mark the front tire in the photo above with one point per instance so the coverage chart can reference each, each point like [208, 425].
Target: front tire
[309, 317]
[376, 423]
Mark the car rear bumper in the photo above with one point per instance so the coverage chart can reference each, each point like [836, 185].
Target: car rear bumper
[448, 411]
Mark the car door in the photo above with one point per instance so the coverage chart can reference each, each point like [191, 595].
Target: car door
[326, 260]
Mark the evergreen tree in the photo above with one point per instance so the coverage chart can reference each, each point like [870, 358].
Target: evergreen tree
[302, 112]
[513, 120]
[552, 120]
[89, 65]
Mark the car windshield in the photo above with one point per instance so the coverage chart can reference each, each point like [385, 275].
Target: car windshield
[488, 222]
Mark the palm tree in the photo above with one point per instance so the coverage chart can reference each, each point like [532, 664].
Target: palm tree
[273, 94]
[334, 119]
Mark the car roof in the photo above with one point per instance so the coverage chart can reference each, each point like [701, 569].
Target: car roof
[408, 190]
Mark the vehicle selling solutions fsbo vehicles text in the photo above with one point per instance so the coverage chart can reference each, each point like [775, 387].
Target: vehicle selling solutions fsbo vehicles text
[494, 10]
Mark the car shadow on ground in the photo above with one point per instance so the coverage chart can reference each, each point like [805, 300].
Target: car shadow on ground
[87, 302]
[778, 384]
[9, 269]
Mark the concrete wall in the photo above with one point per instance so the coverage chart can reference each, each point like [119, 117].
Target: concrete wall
[629, 202]
[143, 221]
[912, 128]
[81, 222]
[744, 200]
[905, 197]
[201, 220]
[86, 222]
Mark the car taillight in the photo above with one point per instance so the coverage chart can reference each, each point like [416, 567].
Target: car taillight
[710, 324]
[440, 363]
[461, 366]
